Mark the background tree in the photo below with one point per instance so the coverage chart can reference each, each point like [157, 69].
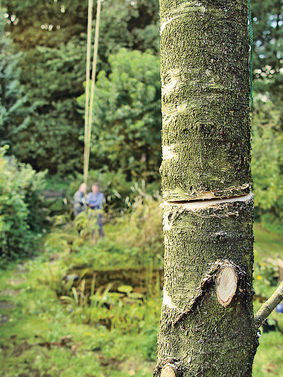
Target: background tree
[126, 132]
[52, 79]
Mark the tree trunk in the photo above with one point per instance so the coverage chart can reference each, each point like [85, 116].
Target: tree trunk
[207, 323]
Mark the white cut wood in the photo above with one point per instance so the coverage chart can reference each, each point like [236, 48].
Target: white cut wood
[202, 204]
[168, 371]
[226, 285]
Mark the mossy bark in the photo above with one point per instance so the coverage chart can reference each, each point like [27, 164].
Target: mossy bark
[205, 98]
[206, 182]
[198, 335]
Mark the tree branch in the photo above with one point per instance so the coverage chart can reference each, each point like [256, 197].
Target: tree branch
[269, 305]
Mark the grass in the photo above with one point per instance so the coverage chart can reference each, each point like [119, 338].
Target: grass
[267, 245]
[43, 337]
[269, 359]
[269, 356]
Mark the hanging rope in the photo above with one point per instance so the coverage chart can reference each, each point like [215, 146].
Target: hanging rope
[89, 18]
[251, 51]
[89, 103]
[93, 80]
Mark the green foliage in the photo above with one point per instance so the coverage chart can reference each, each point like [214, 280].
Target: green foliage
[129, 24]
[267, 163]
[141, 227]
[127, 312]
[21, 212]
[266, 279]
[52, 79]
[127, 118]
[52, 36]
[44, 23]
[50, 340]
[124, 23]
[12, 96]
[268, 47]
[86, 224]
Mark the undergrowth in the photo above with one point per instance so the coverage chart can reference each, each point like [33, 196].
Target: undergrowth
[62, 315]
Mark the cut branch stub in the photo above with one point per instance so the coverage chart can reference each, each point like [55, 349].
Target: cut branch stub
[226, 285]
[168, 371]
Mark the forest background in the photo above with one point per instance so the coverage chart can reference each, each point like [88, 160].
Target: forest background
[42, 84]
[42, 94]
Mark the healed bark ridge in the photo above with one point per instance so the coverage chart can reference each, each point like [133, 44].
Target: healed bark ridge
[207, 323]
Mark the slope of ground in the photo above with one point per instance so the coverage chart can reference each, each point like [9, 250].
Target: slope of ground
[49, 330]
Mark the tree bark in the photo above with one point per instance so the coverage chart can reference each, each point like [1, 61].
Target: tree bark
[207, 323]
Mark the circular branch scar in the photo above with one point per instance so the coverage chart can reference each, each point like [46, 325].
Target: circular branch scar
[226, 285]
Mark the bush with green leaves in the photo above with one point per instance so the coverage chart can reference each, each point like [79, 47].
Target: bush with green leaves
[267, 164]
[13, 112]
[52, 79]
[21, 207]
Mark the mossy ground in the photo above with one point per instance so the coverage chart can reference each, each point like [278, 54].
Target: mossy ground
[41, 337]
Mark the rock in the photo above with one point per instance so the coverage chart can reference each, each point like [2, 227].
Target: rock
[68, 278]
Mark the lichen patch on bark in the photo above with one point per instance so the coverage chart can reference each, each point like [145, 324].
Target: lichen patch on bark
[167, 300]
[168, 152]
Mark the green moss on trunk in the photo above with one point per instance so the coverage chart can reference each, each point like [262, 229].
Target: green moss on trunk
[206, 155]
[197, 332]
[205, 97]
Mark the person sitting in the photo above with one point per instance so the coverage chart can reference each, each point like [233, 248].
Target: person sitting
[95, 201]
[79, 199]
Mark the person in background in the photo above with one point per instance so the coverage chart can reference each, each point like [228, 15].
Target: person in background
[79, 199]
[95, 201]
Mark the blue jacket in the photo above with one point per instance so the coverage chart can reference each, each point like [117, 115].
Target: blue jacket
[95, 201]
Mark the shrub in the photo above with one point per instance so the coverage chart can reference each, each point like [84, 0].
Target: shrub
[21, 212]
[267, 143]
[141, 227]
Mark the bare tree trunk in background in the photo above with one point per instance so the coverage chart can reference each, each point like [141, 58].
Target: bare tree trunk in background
[207, 322]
